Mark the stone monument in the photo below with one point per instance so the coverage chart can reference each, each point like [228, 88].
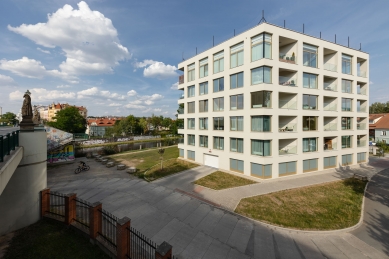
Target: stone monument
[37, 117]
[27, 123]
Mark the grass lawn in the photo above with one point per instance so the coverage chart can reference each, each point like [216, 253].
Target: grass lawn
[220, 180]
[169, 167]
[50, 239]
[328, 206]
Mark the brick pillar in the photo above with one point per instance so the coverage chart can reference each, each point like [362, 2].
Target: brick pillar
[45, 201]
[122, 237]
[70, 208]
[95, 220]
[163, 251]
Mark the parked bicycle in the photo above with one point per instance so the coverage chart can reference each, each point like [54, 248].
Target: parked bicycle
[81, 167]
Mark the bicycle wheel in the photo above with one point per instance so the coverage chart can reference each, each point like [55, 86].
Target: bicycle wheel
[77, 171]
[87, 167]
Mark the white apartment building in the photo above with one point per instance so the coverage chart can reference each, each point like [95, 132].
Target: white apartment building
[272, 102]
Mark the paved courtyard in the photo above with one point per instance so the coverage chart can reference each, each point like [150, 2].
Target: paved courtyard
[200, 223]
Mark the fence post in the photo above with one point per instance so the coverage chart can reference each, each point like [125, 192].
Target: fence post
[8, 144]
[163, 251]
[122, 235]
[45, 201]
[1, 148]
[95, 219]
[70, 208]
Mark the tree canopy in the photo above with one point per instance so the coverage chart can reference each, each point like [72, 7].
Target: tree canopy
[69, 120]
[378, 107]
[9, 118]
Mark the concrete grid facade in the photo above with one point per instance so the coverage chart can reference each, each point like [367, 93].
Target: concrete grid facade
[278, 102]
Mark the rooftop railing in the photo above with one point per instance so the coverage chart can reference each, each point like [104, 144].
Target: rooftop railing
[8, 142]
[330, 107]
[330, 87]
[361, 73]
[291, 105]
[330, 67]
[330, 127]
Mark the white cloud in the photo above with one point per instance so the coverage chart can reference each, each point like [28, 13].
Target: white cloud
[174, 86]
[44, 51]
[144, 63]
[131, 93]
[134, 106]
[88, 39]
[6, 80]
[115, 104]
[160, 70]
[41, 94]
[26, 67]
[94, 92]
[157, 109]
[64, 86]
[150, 99]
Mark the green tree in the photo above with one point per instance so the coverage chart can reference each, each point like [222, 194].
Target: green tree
[144, 125]
[382, 148]
[167, 122]
[69, 120]
[9, 118]
[378, 107]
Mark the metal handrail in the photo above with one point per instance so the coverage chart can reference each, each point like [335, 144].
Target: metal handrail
[8, 142]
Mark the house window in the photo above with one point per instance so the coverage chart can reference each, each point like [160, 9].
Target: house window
[261, 123]
[309, 144]
[347, 159]
[191, 139]
[287, 168]
[191, 155]
[261, 47]
[347, 123]
[329, 162]
[309, 55]
[191, 91]
[181, 152]
[203, 106]
[218, 143]
[236, 55]
[309, 165]
[261, 99]
[203, 141]
[346, 86]
[236, 102]
[261, 75]
[309, 80]
[218, 62]
[191, 72]
[191, 107]
[383, 133]
[203, 123]
[203, 88]
[218, 104]
[309, 123]
[346, 104]
[309, 102]
[218, 85]
[218, 123]
[261, 147]
[346, 141]
[261, 171]
[361, 157]
[203, 67]
[236, 123]
[236, 145]
[191, 123]
[346, 64]
[236, 165]
[236, 80]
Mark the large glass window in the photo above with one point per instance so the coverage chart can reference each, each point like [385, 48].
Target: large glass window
[261, 171]
[309, 80]
[218, 123]
[236, 102]
[261, 147]
[347, 159]
[218, 143]
[361, 157]
[236, 55]
[218, 104]
[203, 141]
[203, 67]
[347, 123]
[203, 123]
[191, 123]
[191, 107]
[236, 80]
[203, 88]
[287, 168]
[203, 106]
[191, 72]
[236, 145]
[236, 123]
[191, 91]
[346, 141]
[346, 104]
[261, 99]
[191, 155]
[261, 123]
[309, 123]
[346, 64]
[236, 165]
[329, 162]
[309, 144]
[218, 62]
[261, 46]
[346, 86]
[181, 152]
[261, 75]
[191, 139]
[309, 102]
[309, 55]
[218, 85]
[310, 165]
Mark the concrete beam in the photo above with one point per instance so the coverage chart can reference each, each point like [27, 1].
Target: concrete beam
[9, 166]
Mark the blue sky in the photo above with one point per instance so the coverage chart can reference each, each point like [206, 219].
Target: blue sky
[119, 57]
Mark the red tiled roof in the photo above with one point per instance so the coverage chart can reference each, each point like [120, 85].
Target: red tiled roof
[382, 123]
[103, 122]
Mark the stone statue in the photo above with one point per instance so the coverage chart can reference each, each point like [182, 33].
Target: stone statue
[27, 123]
[37, 117]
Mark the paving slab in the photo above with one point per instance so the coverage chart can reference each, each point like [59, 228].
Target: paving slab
[217, 250]
[155, 226]
[197, 215]
[183, 238]
[210, 221]
[263, 243]
[345, 247]
[286, 246]
[327, 248]
[234, 254]
[363, 247]
[197, 248]
[187, 209]
[224, 227]
[307, 247]
[241, 234]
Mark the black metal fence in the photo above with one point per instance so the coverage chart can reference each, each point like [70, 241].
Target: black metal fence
[57, 204]
[8, 142]
[82, 212]
[139, 246]
[108, 227]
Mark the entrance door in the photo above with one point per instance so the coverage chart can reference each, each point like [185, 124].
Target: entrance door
[212, 161]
